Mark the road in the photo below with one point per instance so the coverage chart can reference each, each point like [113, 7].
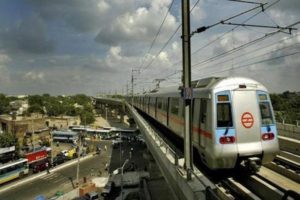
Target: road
[60, 180]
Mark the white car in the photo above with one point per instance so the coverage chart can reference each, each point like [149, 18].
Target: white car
[65, 152]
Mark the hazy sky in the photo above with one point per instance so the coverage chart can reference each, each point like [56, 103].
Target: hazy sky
[91, 46]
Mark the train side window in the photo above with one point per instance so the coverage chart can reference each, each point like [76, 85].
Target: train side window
[203, 110]
[159, 103]
[165, 104]
[174, 106]
[224, 117]
[181, 104]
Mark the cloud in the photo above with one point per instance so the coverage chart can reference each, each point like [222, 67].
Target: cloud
[34, 76]
[103, 6]
[163, 56]
[83, 16]
[24, 38]
[4, 72]
[140, 25]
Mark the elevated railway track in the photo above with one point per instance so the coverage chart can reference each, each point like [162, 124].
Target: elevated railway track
[268, 183]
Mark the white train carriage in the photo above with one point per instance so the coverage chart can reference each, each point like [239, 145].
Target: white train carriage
[233, 120]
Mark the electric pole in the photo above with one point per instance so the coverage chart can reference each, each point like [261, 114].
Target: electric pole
[132, 80]
[187, 90]
[132, 83]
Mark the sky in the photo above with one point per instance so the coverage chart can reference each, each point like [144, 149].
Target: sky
[93, 46]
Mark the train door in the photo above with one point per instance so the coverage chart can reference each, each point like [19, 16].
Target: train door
[203, 119]
[247, 124]
[196, 121]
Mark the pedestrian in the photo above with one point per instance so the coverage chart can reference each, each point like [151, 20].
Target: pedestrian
[105, 147]
[47, 168]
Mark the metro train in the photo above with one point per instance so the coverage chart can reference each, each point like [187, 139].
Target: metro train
[232, 120]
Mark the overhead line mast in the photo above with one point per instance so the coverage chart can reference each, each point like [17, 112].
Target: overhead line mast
[187, 90]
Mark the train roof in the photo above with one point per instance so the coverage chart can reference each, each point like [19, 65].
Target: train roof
[208, 84]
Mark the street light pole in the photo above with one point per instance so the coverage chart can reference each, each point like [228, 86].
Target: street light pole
[78, 157]
[120, 148]
[51, 145]
[122, 169]
[106, 112]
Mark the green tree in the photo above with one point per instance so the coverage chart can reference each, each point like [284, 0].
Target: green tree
[7, 140]
[36, 108]
[81, 99]
[87, 118]
[35, 100]
[4, 104]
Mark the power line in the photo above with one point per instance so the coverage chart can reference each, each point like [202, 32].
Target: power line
[235, 49]
[154, 40]
[258, 62]
[204, 28]
[168, 41]
[242, 46]
[243, 61]
[220, 37]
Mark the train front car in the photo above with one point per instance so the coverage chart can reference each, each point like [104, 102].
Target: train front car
[244, 125]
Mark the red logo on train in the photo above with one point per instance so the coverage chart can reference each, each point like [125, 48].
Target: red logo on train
[247, 120]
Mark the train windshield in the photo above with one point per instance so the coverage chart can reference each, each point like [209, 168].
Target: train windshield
[265, 110]
[224, 116]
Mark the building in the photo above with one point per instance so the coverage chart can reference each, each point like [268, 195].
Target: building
[28, 130]
[35, 130]
[62, 122]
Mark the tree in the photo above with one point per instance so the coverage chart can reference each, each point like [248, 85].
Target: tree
[7, 140]
[36, 108]
[4, 104]
[87, 118]
[81, 99]
[35, 100]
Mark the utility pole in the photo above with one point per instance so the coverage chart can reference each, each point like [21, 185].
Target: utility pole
[132, 80]
[132, 83]
[187, 90]
[78, 158]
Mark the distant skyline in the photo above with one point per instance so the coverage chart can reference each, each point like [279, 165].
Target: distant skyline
[91, 46]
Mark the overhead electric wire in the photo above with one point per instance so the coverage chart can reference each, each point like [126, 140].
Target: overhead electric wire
[203, 28]
[220, 37]
[264, 54]
[154, 40]
[254, 63]
[256, 50]
[246, 20]
[168, 41]
[233, 50]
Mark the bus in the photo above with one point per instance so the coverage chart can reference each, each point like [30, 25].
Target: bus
[13, 170]
[64, 136]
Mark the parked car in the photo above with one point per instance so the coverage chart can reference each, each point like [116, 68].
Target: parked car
[59, 159]
[39, 167]
[65, 152]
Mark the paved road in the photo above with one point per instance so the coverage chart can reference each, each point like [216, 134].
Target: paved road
[59, 180]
